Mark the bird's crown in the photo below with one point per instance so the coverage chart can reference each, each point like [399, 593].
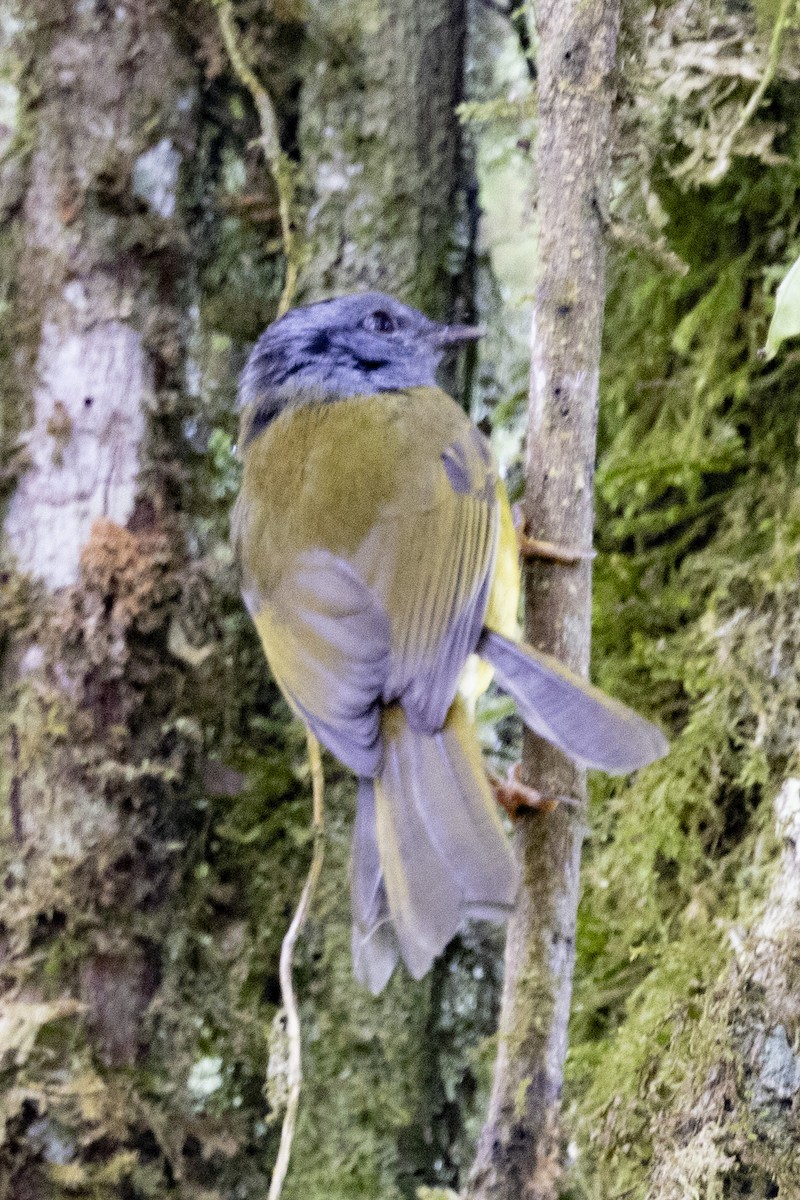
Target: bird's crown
[349, 346]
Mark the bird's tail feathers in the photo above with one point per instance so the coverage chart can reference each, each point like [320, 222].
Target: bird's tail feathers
[375, 949]
[442, 851]
[568, 711]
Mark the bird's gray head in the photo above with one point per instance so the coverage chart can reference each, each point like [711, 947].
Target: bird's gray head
[351, 346]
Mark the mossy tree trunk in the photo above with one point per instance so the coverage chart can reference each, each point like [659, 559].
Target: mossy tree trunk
[146, 891]
[733, 1123]
[100, 746]
[381, 150]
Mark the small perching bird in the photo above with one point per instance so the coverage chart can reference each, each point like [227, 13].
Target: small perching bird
[377, 554]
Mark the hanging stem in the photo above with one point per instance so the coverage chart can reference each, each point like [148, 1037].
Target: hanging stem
[295, 1067]
[277, 162]
[750, 109]
[281, 171]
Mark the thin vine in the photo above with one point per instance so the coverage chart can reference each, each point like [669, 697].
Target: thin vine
[277, 161]
[281, 170]
[294, 1074]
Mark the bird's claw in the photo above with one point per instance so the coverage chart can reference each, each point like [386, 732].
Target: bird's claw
[530, 547]
[512, 794]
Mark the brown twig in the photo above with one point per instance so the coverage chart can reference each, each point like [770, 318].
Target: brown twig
[531, 547]
[515, 796]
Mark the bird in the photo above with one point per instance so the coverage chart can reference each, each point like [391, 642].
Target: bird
[378, 555]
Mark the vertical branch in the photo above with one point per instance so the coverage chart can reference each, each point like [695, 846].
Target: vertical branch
[519, 1154]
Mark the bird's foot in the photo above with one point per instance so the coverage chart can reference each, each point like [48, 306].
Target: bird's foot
[530, 547]
[512, 794]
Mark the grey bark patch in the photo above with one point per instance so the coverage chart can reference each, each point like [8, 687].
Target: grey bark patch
[155, 178]
[780, 1068]
[84, 457]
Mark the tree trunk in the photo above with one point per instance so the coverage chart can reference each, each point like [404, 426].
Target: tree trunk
[519, 1154]
[99, 752]
[146, 893]
[381, 150]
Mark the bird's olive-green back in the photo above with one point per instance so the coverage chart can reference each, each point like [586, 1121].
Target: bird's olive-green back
[400, 486]
[324, 476]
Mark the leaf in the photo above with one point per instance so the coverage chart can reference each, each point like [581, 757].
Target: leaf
[785, 321]
[21, 1020]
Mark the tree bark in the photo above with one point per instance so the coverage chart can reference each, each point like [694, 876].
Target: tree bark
[99, 751]
[382, 152]
[141, 913]
[519, 1153]
[735, 1125]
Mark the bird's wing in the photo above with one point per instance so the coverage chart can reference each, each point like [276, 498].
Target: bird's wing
[366, 532]
[502, 612]
[328, 646]
[438, 536]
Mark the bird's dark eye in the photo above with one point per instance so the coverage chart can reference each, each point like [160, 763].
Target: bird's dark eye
[380, 322]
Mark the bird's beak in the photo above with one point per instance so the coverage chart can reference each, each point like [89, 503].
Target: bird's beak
[445, 336]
